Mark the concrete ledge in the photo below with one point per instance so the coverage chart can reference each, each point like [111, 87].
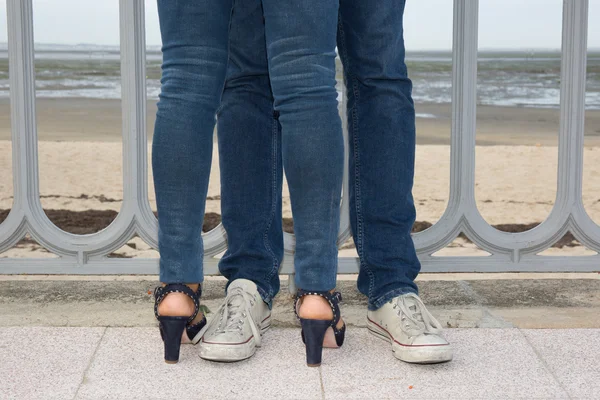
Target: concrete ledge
[493, 303]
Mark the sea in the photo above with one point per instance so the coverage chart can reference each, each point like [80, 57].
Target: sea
[505, 78]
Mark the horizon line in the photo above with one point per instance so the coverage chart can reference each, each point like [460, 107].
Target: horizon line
[552, 49]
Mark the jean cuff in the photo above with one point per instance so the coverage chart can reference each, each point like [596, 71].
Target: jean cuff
[267, 297]
[189, 279]
[379, 302]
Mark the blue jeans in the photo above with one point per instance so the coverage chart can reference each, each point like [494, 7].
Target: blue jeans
[300, 42]
[381, 123]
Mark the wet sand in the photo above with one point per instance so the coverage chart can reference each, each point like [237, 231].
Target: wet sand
[100, 120]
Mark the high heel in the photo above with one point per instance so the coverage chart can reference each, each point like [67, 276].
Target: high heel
[317, 333]
[313, 333]
[172, 328]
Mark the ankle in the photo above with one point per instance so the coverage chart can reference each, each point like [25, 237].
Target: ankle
[315, 307]
[177, 304]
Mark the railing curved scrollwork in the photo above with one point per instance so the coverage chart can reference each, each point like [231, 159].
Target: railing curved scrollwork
[86, 254]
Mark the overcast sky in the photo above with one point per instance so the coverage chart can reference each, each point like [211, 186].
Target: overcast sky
[428, 23]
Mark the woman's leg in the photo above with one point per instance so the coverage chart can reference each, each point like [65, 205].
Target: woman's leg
[301, 40]
[195, 42]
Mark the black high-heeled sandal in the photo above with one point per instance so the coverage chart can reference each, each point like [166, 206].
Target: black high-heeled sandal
[317, 333]
[172, 327]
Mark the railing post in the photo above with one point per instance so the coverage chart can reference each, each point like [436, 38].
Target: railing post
[133, 102]
[464, 103]
[572, 101]
[22, 104]
[292, 289]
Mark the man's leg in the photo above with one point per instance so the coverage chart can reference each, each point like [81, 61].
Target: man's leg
[251, 179]
[381, 124]
[250, 158]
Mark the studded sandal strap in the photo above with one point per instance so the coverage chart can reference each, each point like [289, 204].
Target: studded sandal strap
[332, 298]
[162, 291]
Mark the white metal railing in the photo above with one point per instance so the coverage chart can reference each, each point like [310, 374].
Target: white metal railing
[86, 254]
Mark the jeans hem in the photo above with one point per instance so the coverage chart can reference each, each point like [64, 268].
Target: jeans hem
[376, 304]
[317, 288]
[266, 297]
[191, 279]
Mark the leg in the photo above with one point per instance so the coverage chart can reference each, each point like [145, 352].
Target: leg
[251, 178]
[250, 158]
[195, 40]
[382, 135]
[301, 51]
[381, 124]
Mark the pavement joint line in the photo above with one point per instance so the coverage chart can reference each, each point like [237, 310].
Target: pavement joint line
[92, 358]
[322, 383]
[544, 363]
[487, 314]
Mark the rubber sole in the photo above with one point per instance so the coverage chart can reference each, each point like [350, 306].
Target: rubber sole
[414, 354]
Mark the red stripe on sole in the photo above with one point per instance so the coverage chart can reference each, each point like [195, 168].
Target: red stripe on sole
[229, 344]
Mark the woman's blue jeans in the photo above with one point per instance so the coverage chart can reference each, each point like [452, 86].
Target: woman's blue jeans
[300, 39]
[381, 123]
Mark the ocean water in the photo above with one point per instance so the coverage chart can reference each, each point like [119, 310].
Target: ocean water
[505, 78]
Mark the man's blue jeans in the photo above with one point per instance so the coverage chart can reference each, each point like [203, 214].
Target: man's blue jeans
[381, 123]
[300, 39]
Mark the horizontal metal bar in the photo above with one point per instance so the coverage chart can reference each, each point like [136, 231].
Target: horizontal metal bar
[347, 265]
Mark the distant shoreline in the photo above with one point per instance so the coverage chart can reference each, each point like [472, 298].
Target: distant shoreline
[156, 47]
[505, 77]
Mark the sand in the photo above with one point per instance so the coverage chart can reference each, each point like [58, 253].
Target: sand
[514, 184]
[100, 120]
[81, 164]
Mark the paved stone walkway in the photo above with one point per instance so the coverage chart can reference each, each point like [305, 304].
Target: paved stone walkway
[96, 338]
[125, 363]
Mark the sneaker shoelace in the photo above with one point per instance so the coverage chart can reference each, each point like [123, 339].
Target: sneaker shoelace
[233, 311]
[415, 316]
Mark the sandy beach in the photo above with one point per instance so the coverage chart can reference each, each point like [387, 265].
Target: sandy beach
[100, 121]
[81, 165]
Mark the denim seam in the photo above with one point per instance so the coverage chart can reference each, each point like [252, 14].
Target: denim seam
[274, 143]
[333, 233]
[228, 58]
[359, 236]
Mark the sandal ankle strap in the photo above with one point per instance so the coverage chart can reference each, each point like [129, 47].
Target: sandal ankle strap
[160, 292]
[333, 299]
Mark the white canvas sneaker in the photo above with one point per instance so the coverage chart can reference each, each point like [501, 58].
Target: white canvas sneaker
[415, 335]
[235, 331]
